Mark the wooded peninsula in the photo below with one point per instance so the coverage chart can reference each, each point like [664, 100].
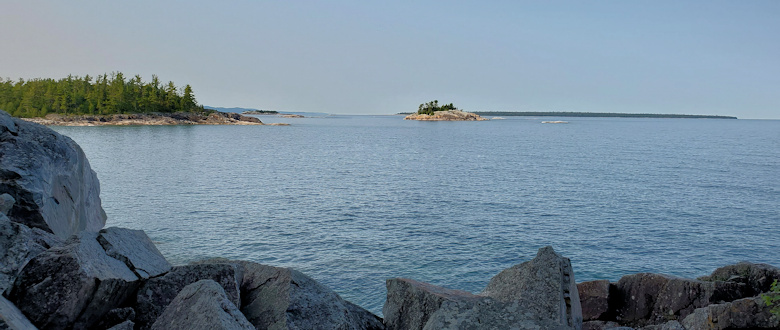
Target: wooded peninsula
[103, 95]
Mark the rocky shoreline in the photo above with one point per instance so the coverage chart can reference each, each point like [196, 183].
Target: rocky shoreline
[155, 119]
[449, 115]
[60, 269]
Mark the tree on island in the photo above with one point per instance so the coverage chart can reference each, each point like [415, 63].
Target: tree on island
[107, 94]
[430, 108]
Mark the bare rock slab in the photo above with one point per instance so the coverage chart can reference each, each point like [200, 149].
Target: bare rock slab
[202, 305]
[72, 285]
[156, 293]
[135, 249]
[12, 318]
[50, 179]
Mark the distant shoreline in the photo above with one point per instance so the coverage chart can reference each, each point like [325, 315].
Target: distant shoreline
[595, 114]
[149, 119]
[590, 114]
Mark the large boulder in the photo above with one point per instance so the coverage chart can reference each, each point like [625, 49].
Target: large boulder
[594, 299]
[12, 318]
[49, 177]
[756, 277]
[283, 298]
[202, 305]
[537, 294]
[135, 250]
[72, 285]
[746, 313]
[411, 303]
[156, 293]
[18, 244]
[647, 299]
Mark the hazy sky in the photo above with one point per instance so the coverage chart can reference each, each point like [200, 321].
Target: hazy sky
[383, 57]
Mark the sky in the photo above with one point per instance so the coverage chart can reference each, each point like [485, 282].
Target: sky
[383, 57]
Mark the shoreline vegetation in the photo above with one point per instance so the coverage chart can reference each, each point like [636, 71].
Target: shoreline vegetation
[589, 114]
[431, 111]
[152, 119]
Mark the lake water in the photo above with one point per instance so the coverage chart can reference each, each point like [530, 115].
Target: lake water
[354, 200]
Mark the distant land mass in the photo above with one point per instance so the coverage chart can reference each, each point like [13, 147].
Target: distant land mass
[241, 110]
[594, 114]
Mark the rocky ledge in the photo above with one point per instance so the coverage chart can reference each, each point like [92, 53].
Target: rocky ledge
[60, 269]
[176, 118]
[449, 115]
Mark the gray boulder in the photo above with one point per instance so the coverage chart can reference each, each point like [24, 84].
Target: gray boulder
[647, 299]
[594, 299]
[156, 293]
[12, 318]
[19, 244]
[746, 313]
[202, 305]
[537, 294]
[600, 325]
[135, 250]
[283, 298]
[72, 285]
[126, 325]
[49, 177]
[410, 303]
[756, 277]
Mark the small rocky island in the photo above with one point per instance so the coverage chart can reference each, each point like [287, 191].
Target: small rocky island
[431, 111]
[61, 269]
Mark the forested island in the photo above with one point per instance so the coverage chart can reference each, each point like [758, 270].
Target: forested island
[102, 95]
[595, 114]
[431, 111]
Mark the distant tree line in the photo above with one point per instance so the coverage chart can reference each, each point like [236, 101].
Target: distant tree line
[430, 107]
[104, 94]
[594, 114]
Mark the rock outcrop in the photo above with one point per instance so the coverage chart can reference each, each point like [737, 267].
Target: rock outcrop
[594, 299]
[202, 305]
[537, 294]
[449, 115]
[49, 178]
[756, 277]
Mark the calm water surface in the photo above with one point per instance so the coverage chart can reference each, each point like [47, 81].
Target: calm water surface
[353, 200]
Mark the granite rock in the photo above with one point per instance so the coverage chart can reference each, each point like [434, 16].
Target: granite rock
[156, 293]
[594, 299]
[202, 305]
[50, 179]
[12, 318]
[756, 277]
[19, 244]
[746, 313]
[72, 285]
[135, 250]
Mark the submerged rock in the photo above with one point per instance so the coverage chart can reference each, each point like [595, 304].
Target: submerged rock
[537, 294]
[202, 305]
[50, 179]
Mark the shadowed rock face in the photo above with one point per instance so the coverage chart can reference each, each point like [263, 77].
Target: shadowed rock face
[12, 318]
[756, 277]
[746, 313]
[49, 177]
[538, 294]
[202, 305]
